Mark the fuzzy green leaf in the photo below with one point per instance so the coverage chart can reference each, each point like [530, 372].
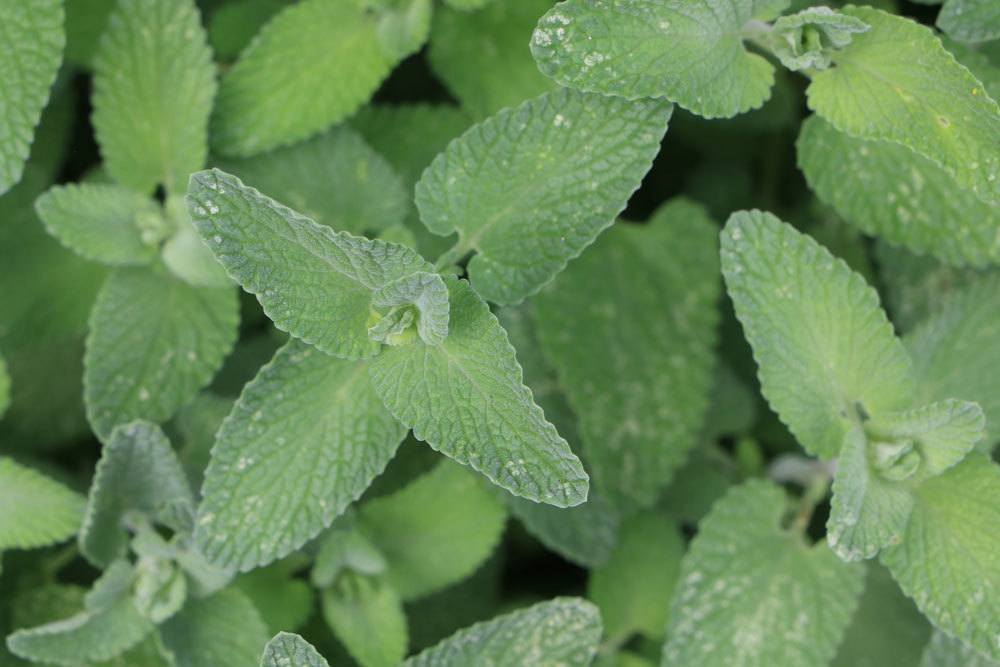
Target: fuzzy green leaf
[897, 83]
[945, 651]
[313, 282]
[154, 82]
[584, 534]
[367, 616]
[563, 632]
[223, 630]
[531, 187]
[101, 222]
[970, 20]
[108, 626]
[805, 40]
[336, 179]
[447, 508]
[957, 352]
[305, 439]
[630, 329]
[310, 67]
[37, 511]
[752, 593]
[289, 650]
[154, 341]
[283, 599]
[138, 472]
[466, 399]
[425, 296]
[887, 190]
[633, 586]
[822, 342]
[465, 44]
[941, 433]
[32, 40]
[689, 51]
[948, 561]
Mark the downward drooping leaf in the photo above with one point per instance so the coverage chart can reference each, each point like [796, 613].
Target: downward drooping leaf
[970, 20]
[108, 626]
[154, 82]
[822, 342]
[446, 509]
[101, 222]
[689, 51]
[310, 67]
[336, 179]
[289, 650]
[531, 187]
[37, 510]
[887, 190]
[465, 398]
[305, 439]
[313, 282]
[633, 586]
[154, 341]
[805, 40]
[562, 632]
[948, 561]
[138, 472]
[887, 628]
[465, 44]
[956, 351]
[367, 616]
[945, 651]
[897, 83]
[754, 594]
[223, 630]
[630, 329]
[32, 39]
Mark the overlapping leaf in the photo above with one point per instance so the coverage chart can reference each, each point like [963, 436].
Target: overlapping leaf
[367, 616]
[37, 510]
[223, 630]
[289, 650]
[529, 188]
[970, 20]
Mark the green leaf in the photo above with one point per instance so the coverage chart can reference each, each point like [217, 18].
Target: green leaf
[101, 222]
[945, 651]
[37, 510]
[233, 25]
[160, 589]
[688, 51]
[313, 282]
[467, 5]
[288, 650]
[633, 587]
[804, 41]
[85, 21]
[310, 67]
[897, 83]
[887, 190]
[563, 632]
[345, 548]
[223, 630]
[970, 20]
[446, 511]
[336, 179]
[367, 616]
[802, 311]
[154, 341]
[584, 534]
[283, 599]
[630, 328]
[954, 522]
[138, 472]
[305, 439]
[466, 399]
[187, 256]
[887, 629]
[956, 351]
[531, 187]
[941, 433]
[466, 44]
[154, 82]
[32, 40]
[752, 593]
[422, 294]
[108, 626]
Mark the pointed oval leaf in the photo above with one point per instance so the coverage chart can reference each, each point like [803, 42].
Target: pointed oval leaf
[466, 399]
[305, 439]
[822, 343]
[688, 51]
[38, 511]
[529, 188]
[154, 82]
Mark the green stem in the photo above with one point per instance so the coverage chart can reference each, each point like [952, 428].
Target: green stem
[451, 256]
[815, 491]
